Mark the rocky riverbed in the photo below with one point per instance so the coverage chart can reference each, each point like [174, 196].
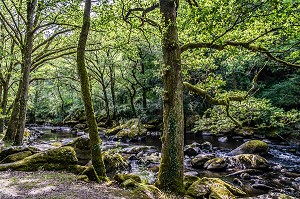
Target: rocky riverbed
[262, 169]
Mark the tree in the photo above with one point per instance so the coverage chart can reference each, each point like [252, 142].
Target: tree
[35, 30]
[86, 95]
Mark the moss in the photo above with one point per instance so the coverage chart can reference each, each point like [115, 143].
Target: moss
[91, 174]
[56, 159]
[16, 156]
[122, 177]
[214, 188]
[114, 162]
[246, 161]
[129, 183]
[189, 180]
[252, 147]
[215, 164]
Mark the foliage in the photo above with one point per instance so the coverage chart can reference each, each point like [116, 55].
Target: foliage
[285, 93]
[253, 112]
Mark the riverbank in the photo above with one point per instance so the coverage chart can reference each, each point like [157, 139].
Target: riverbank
[59, 185]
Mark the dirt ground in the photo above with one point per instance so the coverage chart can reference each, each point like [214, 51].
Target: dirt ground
[54, 185]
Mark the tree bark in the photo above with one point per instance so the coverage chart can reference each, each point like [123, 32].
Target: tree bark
[86, 95]
[170, 176]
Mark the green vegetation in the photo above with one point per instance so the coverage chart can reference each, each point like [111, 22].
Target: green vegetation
[239, 60]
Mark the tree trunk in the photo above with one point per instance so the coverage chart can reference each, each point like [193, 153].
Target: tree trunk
[108, 121]
[170, 176]
[4, 105]
[112, 89]
[86, 95]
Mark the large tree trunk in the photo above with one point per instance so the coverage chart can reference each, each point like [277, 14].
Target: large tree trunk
[170, 176]
[16, 126]
[86, 95]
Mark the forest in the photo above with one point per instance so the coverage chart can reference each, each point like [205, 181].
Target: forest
[150, 99]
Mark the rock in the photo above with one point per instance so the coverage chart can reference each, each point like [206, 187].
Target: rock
[272, 195]
[297, 179]
[188, 180]
[114, 162]
[206, 145]
[245, 176]
[55, 159]
[16, 156]
[153, 158]
[215, 164]
[261, 187]
[80, 126]
[223, 139]
[238, 182]
[200, 160]
[16, 149]
[122, 177]
[213, 188]
[249, 161]
[191, 151]
[82, 148]
[131, 129]
[251, 147]
[138, 149]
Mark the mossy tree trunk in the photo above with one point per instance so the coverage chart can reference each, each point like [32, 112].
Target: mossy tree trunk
[86, 95]
[16, 125]
[170, 176]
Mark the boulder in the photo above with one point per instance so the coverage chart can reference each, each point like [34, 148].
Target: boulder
[251, 147]
[199, 160]
[16, 149]
[122, 177]
[249, 161]
[207, 146]
[55, 159]
[114, 162]
[213, 188]
[215, 164]
[80, 126]
[188, 180]
[16, 156]
[191, 151]
[82, 148]
[131, 129]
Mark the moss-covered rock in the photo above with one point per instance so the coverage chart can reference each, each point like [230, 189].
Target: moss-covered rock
[55, 159]
[188, 180]
[122, 177]
[16, 156]
[82, 148]
[251, 147]
[215, 164]
[16, 149]
[213, 188]
[201, 159]
[114, 162]
[249, 161]
[131, 129]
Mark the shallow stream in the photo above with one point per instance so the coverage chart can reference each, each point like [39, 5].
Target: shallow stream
[284, 159]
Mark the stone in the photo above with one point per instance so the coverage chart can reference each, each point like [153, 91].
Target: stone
[122, 177]
[249, 161]
[16, 156]
[191, 151]
[206, 145]
[55, 159]
[199, 160]
[16, 149]
[188, 180]
[80, 126]
[114, 162]
[251, 147]
[131, 129]
[223, 139]
[215, 164]
[82, 148]
[213, 188]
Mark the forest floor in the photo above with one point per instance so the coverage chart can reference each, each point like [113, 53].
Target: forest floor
[58, 185]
